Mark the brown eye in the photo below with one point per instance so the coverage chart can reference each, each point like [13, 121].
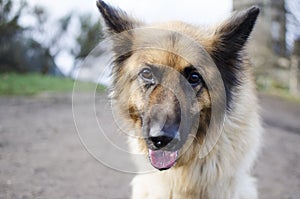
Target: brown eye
[194, 79]
[146, 74]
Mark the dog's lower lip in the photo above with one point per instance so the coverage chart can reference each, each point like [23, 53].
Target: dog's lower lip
[161, 159]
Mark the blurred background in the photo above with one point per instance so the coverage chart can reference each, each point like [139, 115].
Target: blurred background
[43, 45]
[53, 39]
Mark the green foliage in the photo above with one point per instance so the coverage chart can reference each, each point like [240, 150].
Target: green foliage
[19, 51]
[9, 25]
[32, 48]
[266, 84]
[30, 84]
[89, 37]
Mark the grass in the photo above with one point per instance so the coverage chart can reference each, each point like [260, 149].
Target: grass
[31, 84]
[269, 86]
[283, 94]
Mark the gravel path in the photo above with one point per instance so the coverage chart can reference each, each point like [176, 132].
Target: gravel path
[41, 155]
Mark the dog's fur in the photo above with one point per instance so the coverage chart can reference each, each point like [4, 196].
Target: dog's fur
[224, 173]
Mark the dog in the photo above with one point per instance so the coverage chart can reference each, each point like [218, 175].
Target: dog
[187, 95]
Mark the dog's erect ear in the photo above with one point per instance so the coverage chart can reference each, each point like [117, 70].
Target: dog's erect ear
[229, 40]
[115, 19]
[233, 34]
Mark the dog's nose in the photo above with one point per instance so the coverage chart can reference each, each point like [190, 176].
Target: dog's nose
[160, 141]
[160, 138]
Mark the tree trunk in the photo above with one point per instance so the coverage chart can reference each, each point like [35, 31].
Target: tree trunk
[295, 61]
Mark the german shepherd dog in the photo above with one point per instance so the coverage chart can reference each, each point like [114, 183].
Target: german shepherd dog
[187, 95]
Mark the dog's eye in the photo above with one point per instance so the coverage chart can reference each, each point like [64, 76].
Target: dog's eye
[194, 78]
[146, 74]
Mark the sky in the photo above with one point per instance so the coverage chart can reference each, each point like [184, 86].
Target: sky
[193, 11]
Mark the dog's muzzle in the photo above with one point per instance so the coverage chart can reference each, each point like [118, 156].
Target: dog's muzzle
[165, 138]
[162, 146]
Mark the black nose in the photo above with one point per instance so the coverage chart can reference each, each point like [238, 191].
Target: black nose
[160, 141]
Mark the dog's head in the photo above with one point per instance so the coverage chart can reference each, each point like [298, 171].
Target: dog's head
[162, 82]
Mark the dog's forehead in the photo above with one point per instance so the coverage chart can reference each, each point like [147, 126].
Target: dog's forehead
[160, 58]
[166, 48]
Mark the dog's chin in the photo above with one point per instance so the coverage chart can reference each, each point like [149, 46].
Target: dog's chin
[162, 160]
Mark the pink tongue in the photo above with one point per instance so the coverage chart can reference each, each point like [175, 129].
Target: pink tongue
[162, 159]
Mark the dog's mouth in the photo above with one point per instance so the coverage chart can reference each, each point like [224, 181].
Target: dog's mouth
[161, 159]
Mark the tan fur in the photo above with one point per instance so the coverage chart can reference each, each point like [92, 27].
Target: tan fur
[223, 173]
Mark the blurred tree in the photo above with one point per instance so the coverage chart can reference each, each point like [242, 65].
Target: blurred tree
[293, 22]
[34, 48]
[90, 35]
[275, 41]
[8, 21]
[19, 50]
[51, 41]
[278, 27]
[10, 30]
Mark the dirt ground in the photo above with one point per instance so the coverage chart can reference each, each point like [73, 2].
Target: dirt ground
[41, 155]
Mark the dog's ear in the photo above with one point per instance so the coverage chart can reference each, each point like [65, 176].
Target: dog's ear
[228, 44]
[233, 34]
[115, 19]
